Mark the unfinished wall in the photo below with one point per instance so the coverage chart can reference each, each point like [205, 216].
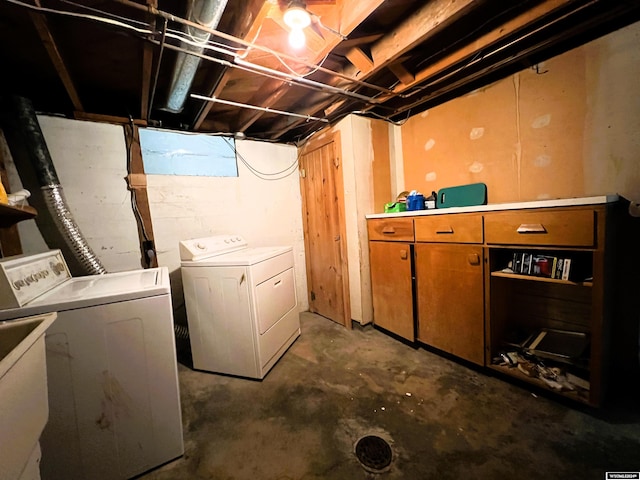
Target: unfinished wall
[91, 162]
[90, 159]
[564, 128]
[264, 212]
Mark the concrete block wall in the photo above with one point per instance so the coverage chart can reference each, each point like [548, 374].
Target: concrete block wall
[91, 162]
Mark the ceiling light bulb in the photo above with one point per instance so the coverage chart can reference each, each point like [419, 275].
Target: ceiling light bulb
[297, 38]
[296, 17]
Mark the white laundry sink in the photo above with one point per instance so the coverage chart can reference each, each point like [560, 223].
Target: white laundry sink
[23, 395]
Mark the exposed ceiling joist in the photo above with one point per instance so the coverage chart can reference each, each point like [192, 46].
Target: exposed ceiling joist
[493, 37]
[416, 29]
[434, 16]
[49, 42]
[356, 13]
[108, 59]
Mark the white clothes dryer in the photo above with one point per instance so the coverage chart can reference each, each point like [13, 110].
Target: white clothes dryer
[242, 308]
[114, 401]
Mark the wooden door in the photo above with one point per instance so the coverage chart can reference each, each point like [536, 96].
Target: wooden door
[450, 293]
[324, 232]
[392, 287]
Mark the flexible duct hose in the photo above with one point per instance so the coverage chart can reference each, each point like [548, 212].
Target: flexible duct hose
[63, 219]
[40, 158]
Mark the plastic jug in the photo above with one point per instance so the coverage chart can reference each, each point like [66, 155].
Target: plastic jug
[415, 201]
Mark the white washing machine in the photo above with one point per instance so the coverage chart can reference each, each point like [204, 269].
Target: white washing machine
[114, 401]
[241, 302]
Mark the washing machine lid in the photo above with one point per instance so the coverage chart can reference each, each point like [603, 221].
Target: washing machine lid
[244, 257]
[93, 290]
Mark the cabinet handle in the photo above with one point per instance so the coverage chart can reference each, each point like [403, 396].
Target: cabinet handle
[474, 259]
[444, 230]
[388, 230]
[403, 254]
[531, 228]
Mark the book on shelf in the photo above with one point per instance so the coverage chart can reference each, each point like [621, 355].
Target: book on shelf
[566, 269]
[550, 266]
[516, 263]
[526, 264]
[542, 265]
[557, 272]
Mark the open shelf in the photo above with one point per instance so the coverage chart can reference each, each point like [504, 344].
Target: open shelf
[539, 279]
[10, 215]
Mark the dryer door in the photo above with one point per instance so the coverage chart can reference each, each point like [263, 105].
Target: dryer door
[274, 298]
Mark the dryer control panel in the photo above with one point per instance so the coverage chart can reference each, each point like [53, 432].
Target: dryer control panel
[205, 247]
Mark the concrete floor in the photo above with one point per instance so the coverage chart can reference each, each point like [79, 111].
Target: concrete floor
[442, 419]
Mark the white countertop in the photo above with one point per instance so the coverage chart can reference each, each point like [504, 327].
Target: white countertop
[560, 202]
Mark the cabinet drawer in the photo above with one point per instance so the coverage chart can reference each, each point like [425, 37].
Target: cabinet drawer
[573, 228]
[456, 228]
[398, 229]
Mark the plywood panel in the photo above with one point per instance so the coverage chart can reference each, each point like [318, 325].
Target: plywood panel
[381, 167]
[563, 128]
[464, 141]
[552, 106]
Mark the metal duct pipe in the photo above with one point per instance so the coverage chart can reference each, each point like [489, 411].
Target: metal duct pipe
[208, 14]
[47, 178]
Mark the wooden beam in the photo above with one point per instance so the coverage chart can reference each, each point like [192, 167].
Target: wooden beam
[356, 42]
[495, 36]
[95, 117]
[137, 184]
[508, 28]
[431, 18]
[42, 27]
[404, 75]
[359, 59]
[348, 19]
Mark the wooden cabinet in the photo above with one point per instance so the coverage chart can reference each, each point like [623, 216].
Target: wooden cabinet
[574, 312]
[572, 228]
[391, 229]
[391, 263]
[450, 284]
[464, 298]
[450, 299]
[391, 287]
[458, 228]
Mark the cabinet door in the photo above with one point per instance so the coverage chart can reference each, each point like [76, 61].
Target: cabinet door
[449, 289]
[391, 286]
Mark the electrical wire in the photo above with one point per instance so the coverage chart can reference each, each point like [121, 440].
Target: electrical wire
[282, 174]
[217, 47]
[258, 69]
[302, 75]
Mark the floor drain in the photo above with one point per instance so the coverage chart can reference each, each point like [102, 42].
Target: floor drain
[374, 453]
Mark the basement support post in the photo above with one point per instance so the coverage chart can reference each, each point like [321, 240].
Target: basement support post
[137, 184]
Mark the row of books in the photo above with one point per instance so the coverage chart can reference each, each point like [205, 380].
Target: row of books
[542, 265]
